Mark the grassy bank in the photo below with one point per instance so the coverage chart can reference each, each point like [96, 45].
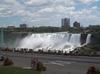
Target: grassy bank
[14, 70]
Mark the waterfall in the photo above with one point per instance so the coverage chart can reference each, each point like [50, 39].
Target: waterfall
[52, 41]
[88, 39]
[75, 39]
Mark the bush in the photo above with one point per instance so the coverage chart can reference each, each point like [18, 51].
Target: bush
[40, 67]
[98, 71]
[8, 62]
[37, 65]
[93, 70]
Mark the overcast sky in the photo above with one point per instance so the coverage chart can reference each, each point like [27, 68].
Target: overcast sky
[49, 12]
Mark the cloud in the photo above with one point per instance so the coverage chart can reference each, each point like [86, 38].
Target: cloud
[94, 7]
[11, 8]
[88, 1]
[1, 9]
[57, 9]
[48, 10]
[36, 2]
[10, 1]
[49, 2]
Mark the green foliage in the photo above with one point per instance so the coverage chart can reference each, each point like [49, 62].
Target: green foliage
[90, 49]
[41, 29]
[96, 47]
[94, 28]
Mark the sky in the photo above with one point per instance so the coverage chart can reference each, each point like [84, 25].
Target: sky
[49, 12]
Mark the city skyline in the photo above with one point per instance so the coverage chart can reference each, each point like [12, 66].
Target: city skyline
[49, 12]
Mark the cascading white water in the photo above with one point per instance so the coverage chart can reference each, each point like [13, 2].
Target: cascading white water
[52, 41]
[88, 39]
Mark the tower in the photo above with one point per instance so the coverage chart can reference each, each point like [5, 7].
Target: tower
[76, 24]
[65, 24]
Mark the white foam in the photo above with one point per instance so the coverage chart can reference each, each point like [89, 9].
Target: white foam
[52, 41]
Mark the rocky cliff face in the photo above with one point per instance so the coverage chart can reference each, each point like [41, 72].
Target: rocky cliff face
[92, 48]
[83, 38]
[95, 38]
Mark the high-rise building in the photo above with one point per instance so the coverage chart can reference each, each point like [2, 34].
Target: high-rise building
[76, 24]
[11, 27]
[23, 25]
[65, 24]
